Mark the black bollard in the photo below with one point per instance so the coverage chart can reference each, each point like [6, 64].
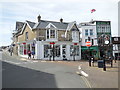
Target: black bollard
[89, 61]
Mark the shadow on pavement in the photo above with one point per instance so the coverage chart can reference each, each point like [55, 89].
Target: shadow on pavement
[21, 77]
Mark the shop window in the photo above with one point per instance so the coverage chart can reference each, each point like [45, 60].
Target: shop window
[21, 49]
[48, 50]
[74, 50]
[57, 50]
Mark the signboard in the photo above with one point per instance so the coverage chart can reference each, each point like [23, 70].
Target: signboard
[88, 44]
[116, 40]
[52, 42]
[75, 43]
[24, 43]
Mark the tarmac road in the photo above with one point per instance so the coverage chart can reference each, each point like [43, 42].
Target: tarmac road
[20, 73]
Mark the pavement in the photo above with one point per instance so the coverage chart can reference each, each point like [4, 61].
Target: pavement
[97, 78]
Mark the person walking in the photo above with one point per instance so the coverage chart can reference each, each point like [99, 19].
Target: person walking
[33, 54]
[29, 54]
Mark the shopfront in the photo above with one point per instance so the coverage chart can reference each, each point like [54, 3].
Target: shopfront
[58, 51]
[23, 48]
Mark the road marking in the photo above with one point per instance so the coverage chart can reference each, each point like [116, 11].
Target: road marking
[87, 82]
[10, 62]
[35, 61]
[82, 72]
[23, 59]
[43, 61]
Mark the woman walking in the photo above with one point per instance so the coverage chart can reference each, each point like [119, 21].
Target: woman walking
[29, 54]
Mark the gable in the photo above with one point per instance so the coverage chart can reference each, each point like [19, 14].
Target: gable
[74, 28]
[50, 25]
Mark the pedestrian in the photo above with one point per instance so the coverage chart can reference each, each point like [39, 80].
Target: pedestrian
[29, 54]
[33, 54]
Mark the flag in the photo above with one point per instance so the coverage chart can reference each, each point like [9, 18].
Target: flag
[93, 10]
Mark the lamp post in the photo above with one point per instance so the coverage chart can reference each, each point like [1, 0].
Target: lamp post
[103, 43]
[88, 44]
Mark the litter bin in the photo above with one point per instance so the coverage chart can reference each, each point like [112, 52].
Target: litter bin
[100, 63]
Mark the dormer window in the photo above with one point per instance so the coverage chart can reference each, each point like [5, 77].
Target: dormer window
[51, 33]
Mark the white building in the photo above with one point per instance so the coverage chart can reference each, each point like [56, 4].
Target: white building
[93, 31]
[49, 39]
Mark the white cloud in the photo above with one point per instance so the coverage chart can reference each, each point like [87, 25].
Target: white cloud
[69, 10]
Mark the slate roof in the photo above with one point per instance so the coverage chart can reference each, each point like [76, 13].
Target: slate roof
[44, 23]
[19, 25]
[30, 23]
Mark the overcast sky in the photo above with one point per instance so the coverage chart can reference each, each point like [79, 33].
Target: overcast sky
[69, 10]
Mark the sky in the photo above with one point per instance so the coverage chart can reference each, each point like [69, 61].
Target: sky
[70, 10]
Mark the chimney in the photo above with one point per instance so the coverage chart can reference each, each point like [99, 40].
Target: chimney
[39, 18]
[61, 20]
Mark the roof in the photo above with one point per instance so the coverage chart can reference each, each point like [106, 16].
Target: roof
[44, 23]
[31, 23]
[19, 25]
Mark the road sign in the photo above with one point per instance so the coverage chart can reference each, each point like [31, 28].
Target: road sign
[88, 44]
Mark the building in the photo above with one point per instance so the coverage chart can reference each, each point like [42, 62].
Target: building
[50, 40]
[98, 32]
[116, 47]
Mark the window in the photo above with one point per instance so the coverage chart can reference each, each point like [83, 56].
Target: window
[47, 33]
[91, 31]
[86, 40]
[63, 49]
[75, 35]
[57, 50]
[26, 36]
[21, 49]
[74, 50]
[52, 33]
[46, 51]
[86, 32]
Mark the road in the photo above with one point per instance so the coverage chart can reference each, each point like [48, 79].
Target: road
[19, 73]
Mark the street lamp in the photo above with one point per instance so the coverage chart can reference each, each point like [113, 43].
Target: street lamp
[102, 46]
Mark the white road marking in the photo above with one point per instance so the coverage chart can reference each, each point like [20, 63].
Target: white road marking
[10, 62]
[35, 61]
[43, 61]
[23, 59]
[82, 72]
[87, 82]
